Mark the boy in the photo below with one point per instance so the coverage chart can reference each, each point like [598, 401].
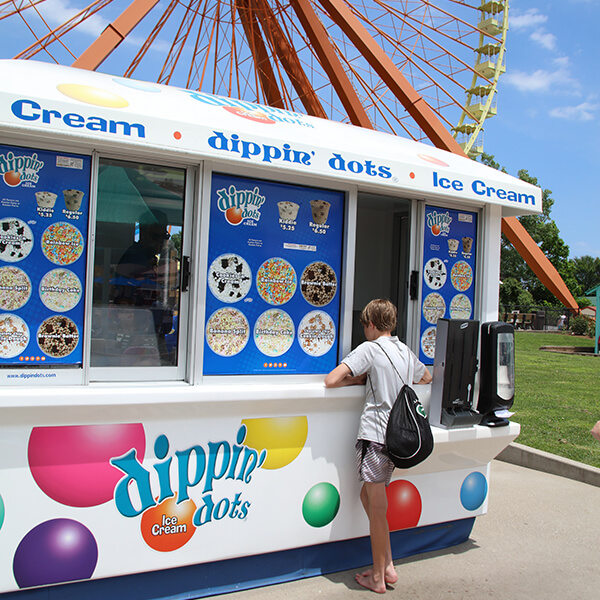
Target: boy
[369, 364]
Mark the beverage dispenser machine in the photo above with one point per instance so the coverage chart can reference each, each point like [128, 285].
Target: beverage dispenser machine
[454, 369]
[497, 375]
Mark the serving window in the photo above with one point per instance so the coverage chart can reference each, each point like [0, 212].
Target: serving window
[136, 305]
[273, 280]
[381, 267]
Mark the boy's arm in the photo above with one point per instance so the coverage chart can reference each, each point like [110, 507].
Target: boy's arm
[342, 376]
[427, 378]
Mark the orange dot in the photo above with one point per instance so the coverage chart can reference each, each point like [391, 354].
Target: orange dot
[21, 358]
[265, 365]
[177, 135]
[168, 525]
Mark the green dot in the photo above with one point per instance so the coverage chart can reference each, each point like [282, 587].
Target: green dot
[321, 504]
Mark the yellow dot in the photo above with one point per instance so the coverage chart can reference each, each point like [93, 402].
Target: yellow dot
[282, 437]
[92, 95]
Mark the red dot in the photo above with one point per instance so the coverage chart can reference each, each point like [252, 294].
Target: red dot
[412, 175]
[177, 135]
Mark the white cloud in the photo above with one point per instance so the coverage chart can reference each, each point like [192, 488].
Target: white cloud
[57, 12]
[542, 79]
[582, 112]
[526, 20]
[546, 40]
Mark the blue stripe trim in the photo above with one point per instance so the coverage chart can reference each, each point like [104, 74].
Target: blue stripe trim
[209, 579]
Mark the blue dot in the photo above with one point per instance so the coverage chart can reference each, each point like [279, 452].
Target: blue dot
[473, 491]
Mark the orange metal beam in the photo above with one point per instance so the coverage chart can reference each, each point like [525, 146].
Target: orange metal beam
[289, 59]
[416, 106]
[260, 54]
[114, 34]
[320, 41]
[538, 261]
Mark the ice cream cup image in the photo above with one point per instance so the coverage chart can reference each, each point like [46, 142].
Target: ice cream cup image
[288, 210]
[453, 245]
[45, 199]
[73, 199]
[467, 243]
[320, 211]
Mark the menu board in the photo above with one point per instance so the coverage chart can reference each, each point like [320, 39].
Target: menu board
[274, 264]
[43, 228]
[448, 287]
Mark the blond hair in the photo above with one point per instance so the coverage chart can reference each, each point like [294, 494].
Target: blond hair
[382, 313]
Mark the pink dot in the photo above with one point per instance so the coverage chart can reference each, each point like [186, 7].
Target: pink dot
[71, 464]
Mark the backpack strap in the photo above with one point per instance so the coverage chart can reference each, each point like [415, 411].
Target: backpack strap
[391, 362]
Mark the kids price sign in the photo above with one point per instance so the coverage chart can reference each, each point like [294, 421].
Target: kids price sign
[449, 255]
[273, 278]
[43, 228]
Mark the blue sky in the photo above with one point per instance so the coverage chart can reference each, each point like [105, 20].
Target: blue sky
[549, 111]
[548, 105]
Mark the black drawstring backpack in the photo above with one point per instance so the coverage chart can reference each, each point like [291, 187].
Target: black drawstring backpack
[408, 436]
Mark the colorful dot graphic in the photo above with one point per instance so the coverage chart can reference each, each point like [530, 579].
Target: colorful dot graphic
[473, 491]
[404, 505]
[321, 504]
[55, 551]
[282, 437]
[2, 512]
[168, 526]
[71, 463]
[92, 95]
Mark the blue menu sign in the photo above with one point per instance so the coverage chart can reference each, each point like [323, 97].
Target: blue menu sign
[44, 200]
[274, 263]
[448, 285]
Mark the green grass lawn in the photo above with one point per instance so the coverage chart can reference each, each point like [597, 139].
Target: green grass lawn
[557, 396]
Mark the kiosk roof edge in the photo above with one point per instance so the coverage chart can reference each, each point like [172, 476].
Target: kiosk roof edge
[98, 108]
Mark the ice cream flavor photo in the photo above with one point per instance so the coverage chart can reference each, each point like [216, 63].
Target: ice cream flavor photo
[320, 211]
[73, 199]
[45, 199]
[16, 240]
[288, 211]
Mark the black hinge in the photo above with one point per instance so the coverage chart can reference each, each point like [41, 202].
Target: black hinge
[413, 289]
[185, 273]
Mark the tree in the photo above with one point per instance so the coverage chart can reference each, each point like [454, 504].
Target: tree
[545, 233]
[586, 270]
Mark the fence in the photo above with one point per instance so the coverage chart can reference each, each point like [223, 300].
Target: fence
[535, 317]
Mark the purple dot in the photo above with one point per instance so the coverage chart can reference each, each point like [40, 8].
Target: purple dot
[55, 551]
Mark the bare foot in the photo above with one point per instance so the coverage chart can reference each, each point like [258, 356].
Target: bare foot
[390, 574]
[367, 582]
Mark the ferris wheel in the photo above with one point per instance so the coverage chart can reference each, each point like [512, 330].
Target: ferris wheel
[392, 66]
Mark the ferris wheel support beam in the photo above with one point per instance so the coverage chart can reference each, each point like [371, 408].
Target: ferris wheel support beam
[318, 38]
[289, 60]
[260, 54]
[538, 262]
[413, 102]
[114, 34]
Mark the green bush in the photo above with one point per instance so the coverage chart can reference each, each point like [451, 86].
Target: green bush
[579, 325]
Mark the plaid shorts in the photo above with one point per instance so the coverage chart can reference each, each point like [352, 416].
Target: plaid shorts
[373, 464]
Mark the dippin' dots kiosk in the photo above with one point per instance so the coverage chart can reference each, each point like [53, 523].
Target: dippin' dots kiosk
[178, 271]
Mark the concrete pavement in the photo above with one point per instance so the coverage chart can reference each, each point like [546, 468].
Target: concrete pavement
[539, 540]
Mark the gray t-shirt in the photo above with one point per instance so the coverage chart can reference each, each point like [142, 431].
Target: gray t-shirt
[383, 384]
